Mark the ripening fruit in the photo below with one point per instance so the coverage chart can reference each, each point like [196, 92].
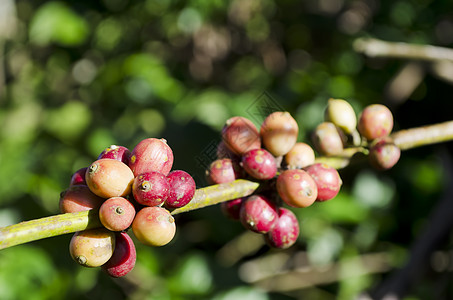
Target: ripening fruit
[327, 179]
[259, 164]
[258, 214]
[78, 178]
[375, 121]
[154, 226]
[328, 139]
[151, 155]
[223, 152]
[297, 188]
[182, 189]
[279, 132]
[222, 171]
[240, 135]
[93, 247]
[109, 178]
[116, 213]
[384, 154]
[79, 198]
[123, 258]
[120, 153]
[150, 188]
[301, 155]
[341, 113]
[232, 208]
[285, 231]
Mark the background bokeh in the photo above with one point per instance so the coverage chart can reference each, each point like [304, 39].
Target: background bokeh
[78, 76]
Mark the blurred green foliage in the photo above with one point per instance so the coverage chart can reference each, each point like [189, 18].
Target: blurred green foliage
[76, 77]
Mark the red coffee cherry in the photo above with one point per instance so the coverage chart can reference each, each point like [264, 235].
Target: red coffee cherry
[327, 180]
[123, 258]
[297, 188]
[328, 139]
[232, 208]
[258, 214]
[116, 213]
[375, 121]
[301, 155]
[259, 164]
[92, 248]
[78, 178]
[182, 189]
[279, 132]
[154, 226]
[120, 153]
[222, 171]
[79, 198]
[151, 188]
[240, 135]
[109, 178]
[285, 231]
[151, 155]
[384, 154]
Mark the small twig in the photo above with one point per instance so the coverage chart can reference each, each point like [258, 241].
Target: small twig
[421, 136]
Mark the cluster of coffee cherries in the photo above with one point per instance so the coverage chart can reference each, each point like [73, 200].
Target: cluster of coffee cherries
[287, 169]
[129, 189]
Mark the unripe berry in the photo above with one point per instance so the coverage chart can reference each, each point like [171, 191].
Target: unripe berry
[109, 178]
[285, 231]
[232, 208]
[92, 248]
[181, 189]
[78, 178]
[384, 154]
[258, 214]
[259, 164]
[123, 258]
[375, 121]
[79, 198]
[151, 155]
[154, 226]
[150, 188]
[328, 139]
[116, 213]
[327, 179]
[120, 153]
[301, 155]
[222, 171]
[297, 188]
[240, 135]
[279, 132]
[341, 113]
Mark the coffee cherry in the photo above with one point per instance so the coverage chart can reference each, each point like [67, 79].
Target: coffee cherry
[92, 248]
[116, 213]
[240, 135]
[301, 155]
[151, 188]
[109, 178]
[154, 226]
[328, 139]
[259, 164]
[224, 152]
[384, 154]
[120, 153]
[222, 171]
[79, 198]
[327, 179]
[258, 214]
[182, 189]
[78, 178]
[151, 155]
[279, 132]
[297, 188]
[341, 114]
[123, 258]
[285, 231]
[232, 208]
[375, 121]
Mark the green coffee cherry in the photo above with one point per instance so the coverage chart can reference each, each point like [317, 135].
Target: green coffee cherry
[341, 113]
